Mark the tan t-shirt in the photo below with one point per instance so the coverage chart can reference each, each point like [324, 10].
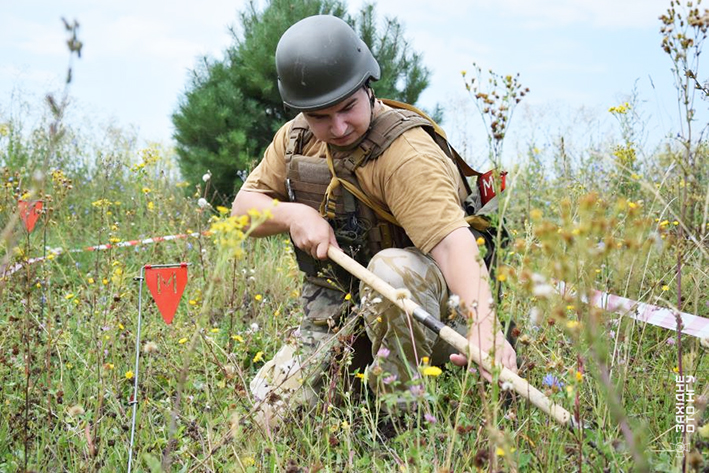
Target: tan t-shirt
[413, 179]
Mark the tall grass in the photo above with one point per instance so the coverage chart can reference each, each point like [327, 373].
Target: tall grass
[613, 218]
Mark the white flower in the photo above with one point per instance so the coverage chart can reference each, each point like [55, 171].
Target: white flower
[207, 176]
[454, 301]
[254, 327]
[507, 386]
[535, 316]
[202, 202]
[543, 290]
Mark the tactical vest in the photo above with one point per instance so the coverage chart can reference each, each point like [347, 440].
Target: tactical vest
[328, 184]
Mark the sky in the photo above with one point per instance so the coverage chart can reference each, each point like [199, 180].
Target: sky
[578, 58]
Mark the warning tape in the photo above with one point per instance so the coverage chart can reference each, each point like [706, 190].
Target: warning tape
[658, 316]
[8, 271]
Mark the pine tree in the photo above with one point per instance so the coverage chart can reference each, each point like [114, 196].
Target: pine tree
[232, 108]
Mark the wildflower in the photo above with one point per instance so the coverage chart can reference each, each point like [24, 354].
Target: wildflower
[215, 330]
[553, 382]
[150, 347]
[76, 410]
[501, 277]
[192, 302]
[182, 341]
[359, 375]
[507, 386]
[206, 177]
[69, 296]
[431, 371]
[454, 301]
[238, 338]
[258, 297]
[258, 357]
[579, 376]
[104, 281]
[430, 418]
[389, 379]
[499, 452]
[425, 360]
[202, 203]
[704, 431]
[480, 241]
[383, 352]
[91, 280]
[348, 297]
[151, 206]
[542, 290]
[345, 424]
[129, 374]
[254, 327]
[665, 287]
[222, 210]
[536, 214]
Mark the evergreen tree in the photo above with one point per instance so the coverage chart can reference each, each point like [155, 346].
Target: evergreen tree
[232, 107]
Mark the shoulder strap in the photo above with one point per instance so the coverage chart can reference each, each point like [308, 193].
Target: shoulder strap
[298, 135]
[439, 136]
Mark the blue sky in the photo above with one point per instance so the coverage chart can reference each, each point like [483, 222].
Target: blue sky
[578, 57]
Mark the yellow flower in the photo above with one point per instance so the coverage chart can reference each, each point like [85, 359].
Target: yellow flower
[499, 452]
[182, 341]
[69, 296]
[431, 371]
[151, 206]
[192, 302]
[579, 376]
[91, 280]
[215, 330]
[502, 277]
[480, 241]
[120, 326]
[424, 360]
[258, 357]
[348, 296]
[129, 374]
[238, 338]
[536, 214]
[146, 190]
[258, 297]
[704, 431]
[665, 287]
[222, 210]
[345, 424]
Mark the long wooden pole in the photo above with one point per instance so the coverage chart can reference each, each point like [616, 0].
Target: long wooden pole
[459, 342]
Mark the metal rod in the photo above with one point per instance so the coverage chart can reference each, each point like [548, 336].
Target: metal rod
[134, 401]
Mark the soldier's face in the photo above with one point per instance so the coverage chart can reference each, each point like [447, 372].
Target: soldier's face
[344, 123]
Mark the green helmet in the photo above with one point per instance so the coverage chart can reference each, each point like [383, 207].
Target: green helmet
[321, 61]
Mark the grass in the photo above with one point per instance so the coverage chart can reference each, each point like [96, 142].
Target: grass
[611, 221]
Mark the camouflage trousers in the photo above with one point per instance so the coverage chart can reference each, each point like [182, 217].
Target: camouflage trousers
[397, 343]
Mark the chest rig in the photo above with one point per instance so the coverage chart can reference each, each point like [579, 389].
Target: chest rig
[328, 183]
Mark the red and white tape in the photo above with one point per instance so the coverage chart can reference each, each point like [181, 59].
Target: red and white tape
[658, 316]
[8, 271]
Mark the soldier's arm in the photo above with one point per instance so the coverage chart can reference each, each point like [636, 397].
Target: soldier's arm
[456, 256]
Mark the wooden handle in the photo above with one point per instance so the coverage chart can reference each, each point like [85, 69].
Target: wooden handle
[459, 342]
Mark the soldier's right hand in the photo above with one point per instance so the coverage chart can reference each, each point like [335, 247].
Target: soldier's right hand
[311, 233]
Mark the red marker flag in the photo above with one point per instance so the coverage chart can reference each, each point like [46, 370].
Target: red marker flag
[486, 184]
[29, 213]
[166, 285]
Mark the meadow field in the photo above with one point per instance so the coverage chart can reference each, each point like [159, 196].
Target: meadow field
[616, 218]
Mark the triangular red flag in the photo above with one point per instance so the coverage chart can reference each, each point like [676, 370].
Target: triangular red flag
[29, 212]
[166, 285]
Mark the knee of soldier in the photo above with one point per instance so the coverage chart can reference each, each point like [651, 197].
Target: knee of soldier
[393, 264]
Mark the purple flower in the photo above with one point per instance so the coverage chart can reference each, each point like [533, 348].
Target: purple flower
[430, 418]
[552, 381]
[383, 352]
[389, 379]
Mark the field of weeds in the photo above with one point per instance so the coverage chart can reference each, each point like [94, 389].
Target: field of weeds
[618, 219]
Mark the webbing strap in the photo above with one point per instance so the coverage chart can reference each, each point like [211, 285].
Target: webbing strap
[330, 198]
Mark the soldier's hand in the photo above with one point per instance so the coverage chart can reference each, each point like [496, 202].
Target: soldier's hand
[504, 353]
[311, 233]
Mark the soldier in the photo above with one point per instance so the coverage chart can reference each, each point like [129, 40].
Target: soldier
[355, 173]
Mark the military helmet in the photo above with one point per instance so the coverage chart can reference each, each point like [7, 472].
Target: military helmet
[321, 61]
